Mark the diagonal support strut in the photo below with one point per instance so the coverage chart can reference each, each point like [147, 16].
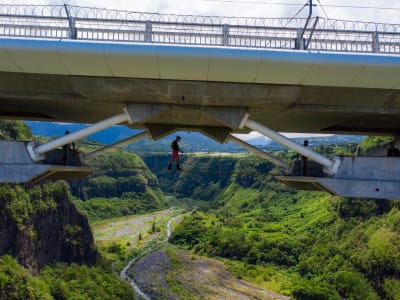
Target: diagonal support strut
[37, 153]
[273, 159]
[331, 165]
[116, 145]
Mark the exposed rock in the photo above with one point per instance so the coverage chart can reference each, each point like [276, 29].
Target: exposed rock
[40, 225]
[150, 273]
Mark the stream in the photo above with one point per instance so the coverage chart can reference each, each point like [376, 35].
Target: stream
[125, 277]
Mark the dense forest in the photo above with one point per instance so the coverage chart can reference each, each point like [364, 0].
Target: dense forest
[122, 185]
[306, 244]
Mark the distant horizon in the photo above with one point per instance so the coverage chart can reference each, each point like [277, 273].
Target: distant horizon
[243, 136]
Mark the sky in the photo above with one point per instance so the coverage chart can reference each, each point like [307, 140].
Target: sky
[378, 11]
[249, 8]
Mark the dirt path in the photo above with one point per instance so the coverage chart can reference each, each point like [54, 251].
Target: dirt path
[124, 271]
[193, 277]
[210, 278]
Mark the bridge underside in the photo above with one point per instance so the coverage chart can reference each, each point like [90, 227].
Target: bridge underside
[290, 108]
[361, 177]
[17, 166]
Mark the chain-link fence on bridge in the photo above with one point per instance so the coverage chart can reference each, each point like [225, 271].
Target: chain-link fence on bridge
[83, 23]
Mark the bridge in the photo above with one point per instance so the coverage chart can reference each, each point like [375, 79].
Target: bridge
[219, 76]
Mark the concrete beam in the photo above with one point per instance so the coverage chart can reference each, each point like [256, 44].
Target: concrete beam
[140, 112]
[229, 116]
[218, 134]
[158, 131]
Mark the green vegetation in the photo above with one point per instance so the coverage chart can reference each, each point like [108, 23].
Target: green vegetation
[60, 281]
[15, 130]
[24, 204]
[175, 285]
[83, 282]
[128, 204]
[122, 186]
[372, 142]
[306, 244]
[120, 239]
[203, 178]
[17, 282]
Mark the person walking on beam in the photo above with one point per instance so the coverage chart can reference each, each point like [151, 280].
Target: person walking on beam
[175, 154]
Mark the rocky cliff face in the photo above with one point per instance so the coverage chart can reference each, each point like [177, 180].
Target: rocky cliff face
[40, 225]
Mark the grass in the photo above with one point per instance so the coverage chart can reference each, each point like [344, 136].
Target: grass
[118, 238]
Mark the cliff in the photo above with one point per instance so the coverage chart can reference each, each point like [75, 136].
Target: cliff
[40, 225]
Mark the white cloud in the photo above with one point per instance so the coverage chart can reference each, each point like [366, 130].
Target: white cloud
[243, 8]
[254, 134]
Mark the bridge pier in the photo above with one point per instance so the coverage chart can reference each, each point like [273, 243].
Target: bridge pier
[16, 165]
[359, 177]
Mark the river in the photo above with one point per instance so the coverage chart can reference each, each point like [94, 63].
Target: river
[125, 277]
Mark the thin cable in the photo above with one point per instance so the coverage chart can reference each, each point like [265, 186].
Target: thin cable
[362, 7]
[298, 4]
[323, 9]
[292, 18]
[255, 2]
[326, 15]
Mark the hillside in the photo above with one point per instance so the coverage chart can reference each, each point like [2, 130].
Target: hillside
[122, 185]
[46, 245]
[306, 244]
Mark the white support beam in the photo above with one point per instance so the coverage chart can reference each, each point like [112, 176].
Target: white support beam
[36, 153]
[330, 165]
[274, 160]
[116, 145]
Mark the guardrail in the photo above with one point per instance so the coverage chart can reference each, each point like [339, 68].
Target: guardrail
[83, 23]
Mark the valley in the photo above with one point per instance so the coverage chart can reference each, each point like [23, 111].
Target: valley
[240, 233]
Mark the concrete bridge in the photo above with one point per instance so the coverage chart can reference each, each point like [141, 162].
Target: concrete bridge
[220, 76]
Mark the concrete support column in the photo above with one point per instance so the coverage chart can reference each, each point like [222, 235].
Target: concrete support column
[117, 145]
[260, 153]
[330, 165]
[36, 153]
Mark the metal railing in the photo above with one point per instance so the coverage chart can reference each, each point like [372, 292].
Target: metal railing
[82, 23]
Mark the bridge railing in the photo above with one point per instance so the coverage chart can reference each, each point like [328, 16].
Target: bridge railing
[81, 23]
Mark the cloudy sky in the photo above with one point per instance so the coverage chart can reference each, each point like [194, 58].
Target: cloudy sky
[385, 11]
